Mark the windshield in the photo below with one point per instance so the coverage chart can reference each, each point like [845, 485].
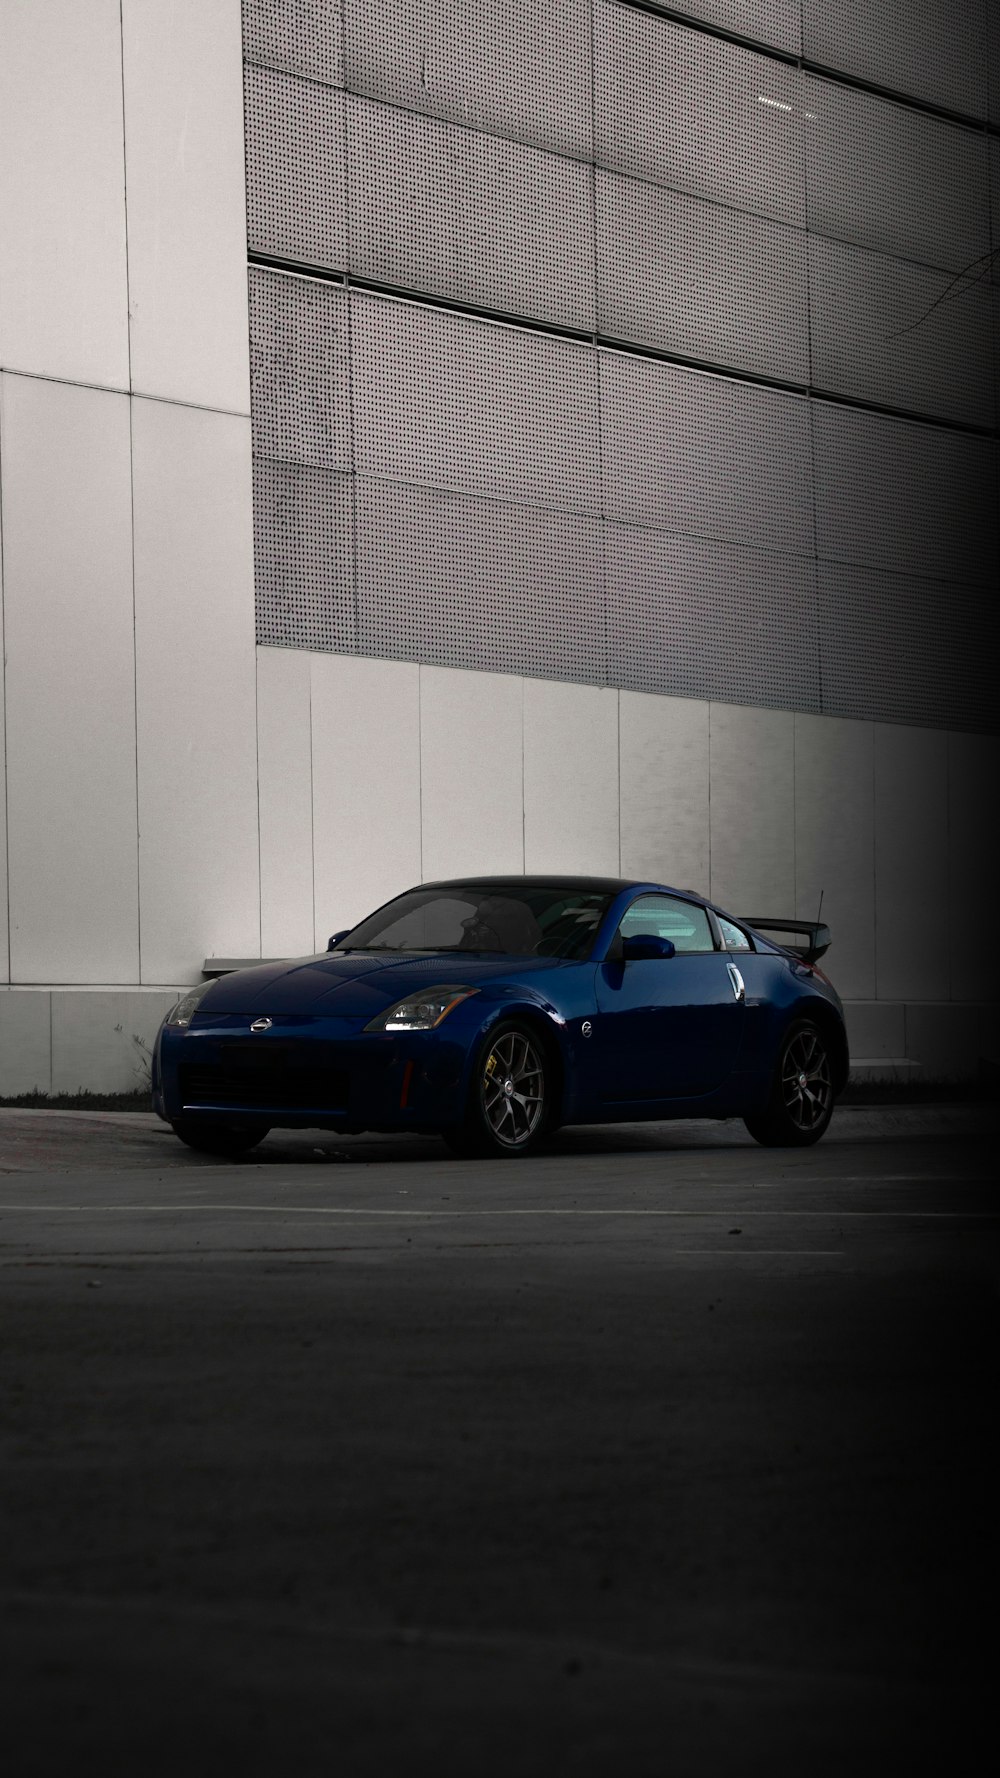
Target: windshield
[484, 917]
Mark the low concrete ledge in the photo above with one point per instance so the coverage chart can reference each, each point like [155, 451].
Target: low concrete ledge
[213, 967]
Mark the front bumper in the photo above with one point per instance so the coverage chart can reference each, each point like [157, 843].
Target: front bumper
[313, 1073]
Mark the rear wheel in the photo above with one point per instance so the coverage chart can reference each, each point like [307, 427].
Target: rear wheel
[801, 1103]
[218, 1138]
[510, 1095]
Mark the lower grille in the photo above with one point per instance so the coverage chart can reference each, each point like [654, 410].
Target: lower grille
[264, 1077]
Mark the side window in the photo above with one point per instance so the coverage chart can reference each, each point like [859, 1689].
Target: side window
[732, 937]
[680, 921]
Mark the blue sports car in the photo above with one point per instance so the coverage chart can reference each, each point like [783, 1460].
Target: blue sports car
[491, 1010]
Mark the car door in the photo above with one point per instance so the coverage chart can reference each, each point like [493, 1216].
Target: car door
[669, 1028]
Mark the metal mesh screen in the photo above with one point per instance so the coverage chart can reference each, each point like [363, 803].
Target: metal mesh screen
[296, 190]
[472, 217]
[934, 49]
[467, 405]
[705, 455]
[777, 22]
[894, 179]
[512, 67]
[907, 335]
[906, 647]
[908, 498]
[301, 36]
[451, 486]
[299, 370]
[479, 583]
[699, 279]
[303, 557]
[692, 112]
[702, 619]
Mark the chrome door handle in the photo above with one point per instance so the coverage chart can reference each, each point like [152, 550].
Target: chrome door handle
[739, 986]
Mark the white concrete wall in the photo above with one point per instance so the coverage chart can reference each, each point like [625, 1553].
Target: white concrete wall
[129, 803]
[378, 774]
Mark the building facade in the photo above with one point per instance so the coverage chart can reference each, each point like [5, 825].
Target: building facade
[454, 436]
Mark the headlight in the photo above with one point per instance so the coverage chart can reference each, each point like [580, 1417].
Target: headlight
[421, 1012]
[185, 1009]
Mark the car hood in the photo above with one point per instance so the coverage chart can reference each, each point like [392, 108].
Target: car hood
[354, 985]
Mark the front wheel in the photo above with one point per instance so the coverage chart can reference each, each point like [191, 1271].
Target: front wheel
[510, 1096]
[217, 1138]
[801, 1102]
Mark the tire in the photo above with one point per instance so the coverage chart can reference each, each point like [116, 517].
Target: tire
[800, 1105]
[210, 1137]
[510, 1095]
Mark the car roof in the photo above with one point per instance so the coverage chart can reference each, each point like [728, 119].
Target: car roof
[599, 885]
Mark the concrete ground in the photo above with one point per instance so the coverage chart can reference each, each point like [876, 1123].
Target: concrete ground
[662, 1453]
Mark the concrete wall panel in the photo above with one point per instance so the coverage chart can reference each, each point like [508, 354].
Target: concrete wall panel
[835, 844]
[664, 790]
[911, 863]
[753, 810]
[25, 1041]
[70, 683]
[471, 772]
[184, 159]
[570, 778]
[366, 786]
[949, 1042]
[195, 684]
[876, 1030]
[284, 774]
[63, 295]
[103, 1042]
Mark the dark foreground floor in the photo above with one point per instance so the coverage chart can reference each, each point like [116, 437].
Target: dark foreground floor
[646, 1457]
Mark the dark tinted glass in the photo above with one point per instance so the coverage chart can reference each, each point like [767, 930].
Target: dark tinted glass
[484, 917]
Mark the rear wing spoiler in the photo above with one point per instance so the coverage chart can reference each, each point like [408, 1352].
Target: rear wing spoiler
[816, 935]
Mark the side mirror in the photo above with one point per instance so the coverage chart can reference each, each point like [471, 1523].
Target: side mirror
[642, 946]
[333, 942]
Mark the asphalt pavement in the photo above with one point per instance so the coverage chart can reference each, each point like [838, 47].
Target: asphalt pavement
[660, 1453]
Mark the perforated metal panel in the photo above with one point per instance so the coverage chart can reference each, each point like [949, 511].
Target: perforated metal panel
[700, 619]
[934, 49]
[510, 66]
[775, 22]
[993, 36]
[487, 454]
[296, 200]
[476, 583]
[301, 36]
[697, 113]
[476, 218]
[473, 405]
[303, 557]
[701, 280]
[903, 334]
[894, 179]
[910, 649]
[299, 370]
[906, 497]
[705, 455]
[994, 257]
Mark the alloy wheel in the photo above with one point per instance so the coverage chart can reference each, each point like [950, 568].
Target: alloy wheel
[513, 1089]
[806, 1086]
